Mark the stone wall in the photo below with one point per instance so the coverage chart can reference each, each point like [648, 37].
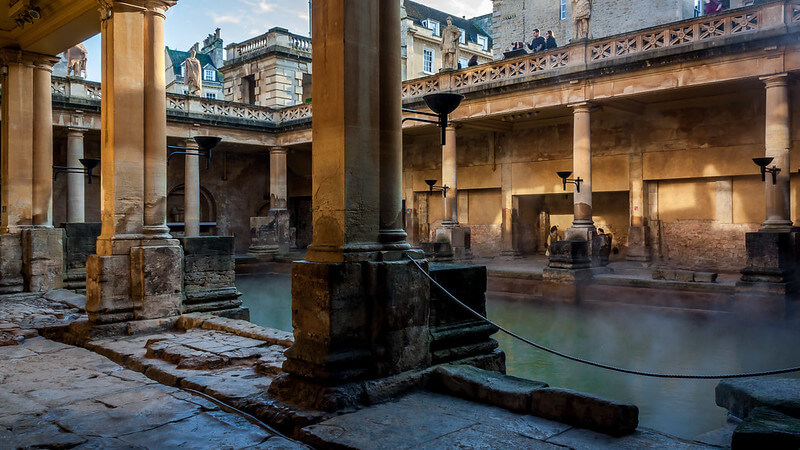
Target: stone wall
[278, 80]
[705, 245]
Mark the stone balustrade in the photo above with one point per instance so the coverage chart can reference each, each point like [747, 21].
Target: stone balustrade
[275, 37]
[682, 36]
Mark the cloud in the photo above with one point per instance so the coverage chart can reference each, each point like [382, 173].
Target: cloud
[225, 19]
[266, 7]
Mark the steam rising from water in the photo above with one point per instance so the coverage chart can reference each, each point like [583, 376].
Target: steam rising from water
[625, 337]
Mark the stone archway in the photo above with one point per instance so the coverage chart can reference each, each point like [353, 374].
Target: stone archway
[208, 210]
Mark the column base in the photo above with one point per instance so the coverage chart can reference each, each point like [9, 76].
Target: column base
[569, 254]
[209, 275]
[458, 237]
[11, 279]
[769, 285]
[143, 284]
[80, 241]
[374, 324]
[270, 235]
[43, 258]
[638, 244]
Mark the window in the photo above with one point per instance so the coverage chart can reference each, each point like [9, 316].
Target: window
[463, 38]
[483, 41]
[563, 9]
[182, 71]
[211, 95]
[427, 60]
[209, 75]
[432, 25]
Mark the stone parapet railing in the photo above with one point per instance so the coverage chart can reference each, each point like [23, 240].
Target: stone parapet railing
[583, 54]
[678, 36]
[273, 39]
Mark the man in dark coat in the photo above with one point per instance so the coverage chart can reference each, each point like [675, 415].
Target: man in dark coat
[537, 44]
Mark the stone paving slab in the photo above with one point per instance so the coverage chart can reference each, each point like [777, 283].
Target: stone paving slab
[58, 396]
[430, 420]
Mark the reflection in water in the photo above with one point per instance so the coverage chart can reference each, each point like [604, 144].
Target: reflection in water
[621, 337]
[269, 297]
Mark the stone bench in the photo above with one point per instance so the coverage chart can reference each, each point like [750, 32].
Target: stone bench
[684, 276]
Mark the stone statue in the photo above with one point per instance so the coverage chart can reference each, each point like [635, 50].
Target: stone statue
[76, 61]
[581, 14]
[450, 37]
[193, 74]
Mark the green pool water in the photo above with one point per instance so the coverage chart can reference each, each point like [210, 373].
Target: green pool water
[630, 338]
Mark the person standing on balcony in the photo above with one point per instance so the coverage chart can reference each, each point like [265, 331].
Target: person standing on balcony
[473, 61]
[549, 41]
[538, 42]
[713, 7]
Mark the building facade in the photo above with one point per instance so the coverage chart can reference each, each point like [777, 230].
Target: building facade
[421, 39]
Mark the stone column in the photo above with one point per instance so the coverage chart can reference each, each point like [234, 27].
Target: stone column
[507, 194]
[17, 142]
[358, 311]
[155, 120]
[191, 190]
[778, 143]
[449, 178]
[136, 273]
[277, 178]
[43, 143]
[582, 228]
[76, 207]
[391, 134]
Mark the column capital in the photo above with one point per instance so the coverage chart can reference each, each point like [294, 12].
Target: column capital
[778, 79]
[39, 60]
[76, 131]
[278, 150]
[109, 7]
[581, 107]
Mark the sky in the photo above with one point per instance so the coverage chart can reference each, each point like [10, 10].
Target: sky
[191, 21]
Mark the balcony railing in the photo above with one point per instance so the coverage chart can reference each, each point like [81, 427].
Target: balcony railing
[677, 35]
[276, 37]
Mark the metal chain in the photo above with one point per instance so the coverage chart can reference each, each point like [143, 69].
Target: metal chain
[597, 364]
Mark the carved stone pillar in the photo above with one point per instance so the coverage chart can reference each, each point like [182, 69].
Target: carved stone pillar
[136, 273]
[277, 178]
[778, 143]
[76, 203]
[345, 332]
[391, 234]
[191, 190]
[449, 178]
[582, 228]
[31, 250]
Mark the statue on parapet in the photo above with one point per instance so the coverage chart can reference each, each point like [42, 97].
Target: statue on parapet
[193, 74]
[581, 15]
[450, 37]
[76, 61]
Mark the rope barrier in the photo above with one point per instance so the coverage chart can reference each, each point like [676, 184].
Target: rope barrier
[597, 364]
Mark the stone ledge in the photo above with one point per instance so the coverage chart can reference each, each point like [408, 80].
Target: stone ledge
[238, 327]
[740, 396]
[767, 428]
[521, 395]
[488, 387]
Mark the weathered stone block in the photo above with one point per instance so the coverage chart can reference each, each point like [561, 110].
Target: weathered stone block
[771, 256]
[108, 288]
[156, 277]
[332, 336]
[43, 258]
[766, 428]
[740, 396]
[585, 411]
[11, 279]
[80, 241]
[271, 233]
[489, 387]
[569, 255]
[686, 276]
